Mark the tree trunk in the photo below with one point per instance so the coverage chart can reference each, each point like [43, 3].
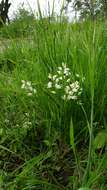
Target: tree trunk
[4, 9]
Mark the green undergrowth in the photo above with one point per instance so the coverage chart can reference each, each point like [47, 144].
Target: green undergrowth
[46, 141]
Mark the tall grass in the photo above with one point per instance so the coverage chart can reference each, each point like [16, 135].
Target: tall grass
[46, 142]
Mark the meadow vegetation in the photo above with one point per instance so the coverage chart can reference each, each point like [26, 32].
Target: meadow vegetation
[53, 96]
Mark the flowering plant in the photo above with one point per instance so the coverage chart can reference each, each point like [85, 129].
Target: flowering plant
[64, 82]
[28, 87]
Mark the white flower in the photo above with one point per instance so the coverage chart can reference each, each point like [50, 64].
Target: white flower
[68, 80]
[23, 81]
[54, 77]
[74, 97]
[77, 75]
[63, 80]
[30, 88]
[60, 68]
[57, 80]
[72, 85]
[29, 94]
[28, 83]
[49, 85]
[59, 72]
[27, 86]
[75, 90]
[64, 97]
[50, 76]
[71, 92]
[57, 86]
[34, 91]
[69, 97]
[27, 124]
[27, 114]
[60, 78]
[67, 88]
[66, 72]
[75, 85]
[66, 69]
[23, 86]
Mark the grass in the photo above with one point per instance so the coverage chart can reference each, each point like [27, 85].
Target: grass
[46, 142]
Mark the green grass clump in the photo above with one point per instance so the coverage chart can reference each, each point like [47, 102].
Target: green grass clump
[47, 142]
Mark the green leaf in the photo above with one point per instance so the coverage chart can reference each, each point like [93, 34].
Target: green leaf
[84, 188]
[1, 181]
[100, 140]
[72, 135]
[47, 143]
[32, 162]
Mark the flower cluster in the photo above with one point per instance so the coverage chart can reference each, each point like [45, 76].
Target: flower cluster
[27, 123]
[64, 82]
[72, 91]
[27, 86]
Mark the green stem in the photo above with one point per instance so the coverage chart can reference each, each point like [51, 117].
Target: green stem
[89, 163]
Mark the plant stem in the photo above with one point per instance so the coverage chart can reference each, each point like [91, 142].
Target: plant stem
[89, 162]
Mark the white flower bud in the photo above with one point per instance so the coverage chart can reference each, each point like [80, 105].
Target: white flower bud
[23, 81]
[59, 72]
[75, 90]
[50, 76]
[54, 77]
[30, 88]
[57, 80]
[74, 97]
[67, 88]
[68, 80]
[57, 86]
[28, 83]
[60, 68]
[29, 94]
[34, 91]
[49, 85]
